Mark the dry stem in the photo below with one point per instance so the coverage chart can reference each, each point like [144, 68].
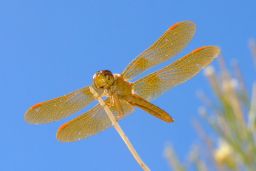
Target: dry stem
[120, 131]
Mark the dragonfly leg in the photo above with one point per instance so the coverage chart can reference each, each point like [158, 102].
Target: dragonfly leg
[118, 106]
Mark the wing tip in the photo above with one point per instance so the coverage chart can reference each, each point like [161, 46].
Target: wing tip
[187, 23]
[34, 118]
[30, 114]
[29, 117]
[215, 50]
[62, 136]
[36, 105]
[59, 132]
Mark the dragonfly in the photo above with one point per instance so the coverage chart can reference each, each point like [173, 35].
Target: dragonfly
[121, 94]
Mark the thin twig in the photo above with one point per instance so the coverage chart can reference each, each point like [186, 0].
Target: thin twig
[119, 130]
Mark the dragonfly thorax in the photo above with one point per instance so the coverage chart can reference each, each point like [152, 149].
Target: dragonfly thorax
[103, 79]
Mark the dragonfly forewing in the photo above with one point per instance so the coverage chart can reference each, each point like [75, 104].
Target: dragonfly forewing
[168, 45]
[58, 108]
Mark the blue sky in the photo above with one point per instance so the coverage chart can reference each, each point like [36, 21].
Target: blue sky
[49, 48]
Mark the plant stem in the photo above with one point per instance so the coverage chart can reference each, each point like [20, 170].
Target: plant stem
[119, 130]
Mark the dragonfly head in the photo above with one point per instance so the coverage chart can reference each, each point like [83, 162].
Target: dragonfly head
[103, 79]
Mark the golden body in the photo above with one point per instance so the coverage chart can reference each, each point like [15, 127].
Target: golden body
[117, 88]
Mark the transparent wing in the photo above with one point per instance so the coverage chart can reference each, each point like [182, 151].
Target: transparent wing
[183, 69]
[91, 122]
[58, 108]
[168, 45]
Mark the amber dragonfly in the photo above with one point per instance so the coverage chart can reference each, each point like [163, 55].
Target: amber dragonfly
[123, 95]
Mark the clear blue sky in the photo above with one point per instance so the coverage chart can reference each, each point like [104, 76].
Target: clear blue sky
[49, 48]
